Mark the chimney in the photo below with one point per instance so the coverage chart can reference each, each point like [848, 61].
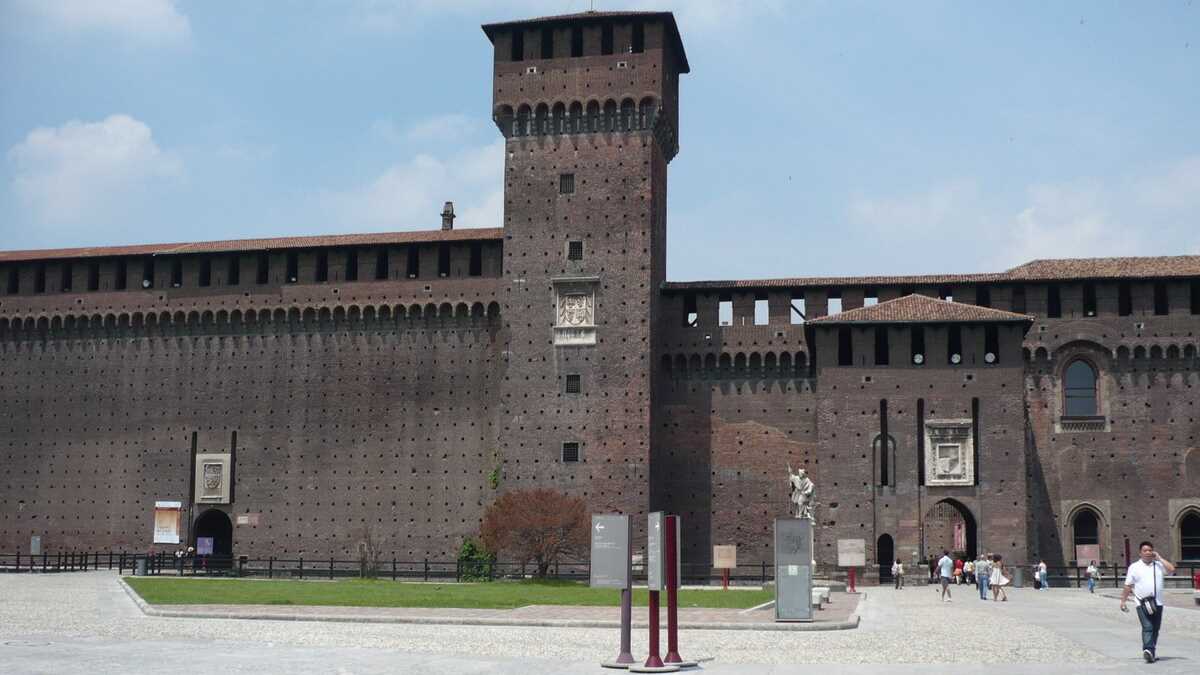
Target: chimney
[448, 216]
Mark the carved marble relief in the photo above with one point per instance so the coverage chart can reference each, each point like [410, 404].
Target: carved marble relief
[949, 452]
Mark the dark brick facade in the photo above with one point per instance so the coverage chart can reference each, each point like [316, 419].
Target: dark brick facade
[395, 384]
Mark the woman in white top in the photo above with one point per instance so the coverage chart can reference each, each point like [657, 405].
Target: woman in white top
[998, 581]
[1092, 573]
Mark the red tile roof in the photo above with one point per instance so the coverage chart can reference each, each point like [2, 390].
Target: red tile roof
[229, 246]
[490, 29]
[921, 309]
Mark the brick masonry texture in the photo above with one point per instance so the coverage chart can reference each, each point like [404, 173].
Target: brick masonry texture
[389, 387]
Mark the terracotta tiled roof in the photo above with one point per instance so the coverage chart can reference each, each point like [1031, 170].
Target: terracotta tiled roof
[1038, 270]
[490, 29]
[921, 309]
[373, 239]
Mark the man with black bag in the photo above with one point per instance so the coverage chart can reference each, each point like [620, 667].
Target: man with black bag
[1145, 581]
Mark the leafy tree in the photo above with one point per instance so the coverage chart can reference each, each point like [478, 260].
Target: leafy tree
[536, 525]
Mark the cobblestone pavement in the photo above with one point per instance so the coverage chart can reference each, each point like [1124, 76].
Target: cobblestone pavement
[84, 622]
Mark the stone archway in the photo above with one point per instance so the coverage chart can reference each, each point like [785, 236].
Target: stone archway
[949, 526]
[885, 555]
[215, 524]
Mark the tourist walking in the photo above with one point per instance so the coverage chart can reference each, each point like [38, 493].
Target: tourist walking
[983, 570]
[999, 580]
[1145, 582]
[958, 571]
[1043, 576]
[969, 572]
[945, 572]
[898, 574]
[1092, 572]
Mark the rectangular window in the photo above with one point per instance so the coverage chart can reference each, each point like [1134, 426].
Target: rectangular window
[573, 386]
[725, 311]
[1089, 299]
[920, 441]
[991, 344]
[176, 272]
[835, 305]
[881, 346]
[1196, 297]
[916, 341]
[518, 45]
[205, 271]
[322, 273]
[798, 310]
[1053, 302]
[68, 274]
[870, 297]
[845, 347]
[691, 317]
[93, 276]
[39, 278]
[577, 41]
[147, 272]
[414, 262]
[547, 43]
[381, 264]
[566, 183]
[606, 39]
[570, 452]
[1161, 305]
[264, 269]
[121, 282]
[443, 259]
[983, 296]
[1124, 299]
[352, 265]
[946, 293]
[1018, 299]
[233, 275]
[476, 266]
[14, 281]
[575, 250]
[293, 267]
[762, 311]
[954, 345]
[639, 38]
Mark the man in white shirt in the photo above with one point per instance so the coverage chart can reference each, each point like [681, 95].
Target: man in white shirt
[983, 573]
[1145, 581]
[945, 573]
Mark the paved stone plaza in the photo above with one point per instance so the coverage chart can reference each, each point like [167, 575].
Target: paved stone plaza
[85, 622]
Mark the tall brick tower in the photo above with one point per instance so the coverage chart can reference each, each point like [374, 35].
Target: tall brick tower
[588, 105]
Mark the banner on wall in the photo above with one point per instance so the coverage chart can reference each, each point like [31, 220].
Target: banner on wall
[960, 536]
[167, 518]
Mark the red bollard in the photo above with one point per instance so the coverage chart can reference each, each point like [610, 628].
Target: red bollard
[852, 575]
[653, 660]
[725, 579]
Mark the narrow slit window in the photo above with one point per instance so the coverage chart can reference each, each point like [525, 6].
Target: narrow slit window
[1161, 304]
[68, 274]
[882, 348]
[570, 452]
[573, 386]
[798, 314]
[14, 281]
[639, 38]
[1124, 299]
[884, 472]
[93, 281]
[476, 266]
[1195, 297]
[518, 45]
[845, 346]
[577, 41]
[920, 441]
[205, 272]
[606, 39]
[725, 311]
[1018, 299]
[293, 267]
[1053, 302]
[566, 184]
[575, 250]
[233, 276]
[264, 268]
[147, 272]
[1089, 299]
[975, 436]
[39, 278]
[381, 264]
[983, 296]
[443, 260]
[954, 345]
[414, 262]
[691, 317]
[547, 43]
[176, 273]
[991, 344]
[351, 265]
[121, 280]
[917, 344]
[322, 274]
[762, 311]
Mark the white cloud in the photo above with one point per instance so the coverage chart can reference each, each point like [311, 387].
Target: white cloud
[87, 170]
[925, 211]
[442, 129]
[409, 195]
[154, 21]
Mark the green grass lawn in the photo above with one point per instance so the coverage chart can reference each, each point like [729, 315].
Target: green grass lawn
[366, 593]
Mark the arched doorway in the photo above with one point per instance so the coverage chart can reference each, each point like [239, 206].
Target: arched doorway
[215, 524]
[1189, 537]
[1085, 536]
[949, 526]
[885, 555]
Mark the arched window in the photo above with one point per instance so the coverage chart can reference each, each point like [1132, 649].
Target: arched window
[1080, 390]
[1189, 536]
[1086, 528]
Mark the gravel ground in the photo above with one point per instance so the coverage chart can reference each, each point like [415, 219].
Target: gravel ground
[1058, 627]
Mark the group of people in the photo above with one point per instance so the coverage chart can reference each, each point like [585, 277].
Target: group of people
[985, 573]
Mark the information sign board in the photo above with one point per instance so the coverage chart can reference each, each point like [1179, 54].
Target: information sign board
[725, 557]
[611, 542]
[852, 552]
[655, 552]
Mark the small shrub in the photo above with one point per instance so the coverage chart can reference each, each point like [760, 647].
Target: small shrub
[474, 562]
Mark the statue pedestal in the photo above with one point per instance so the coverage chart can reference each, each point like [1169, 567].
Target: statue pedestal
[793, 569]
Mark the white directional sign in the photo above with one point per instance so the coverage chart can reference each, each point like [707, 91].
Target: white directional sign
[611, 542]
[656, 570]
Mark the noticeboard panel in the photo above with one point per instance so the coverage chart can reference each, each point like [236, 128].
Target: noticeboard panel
[655, 552]
[611, 544]
[793, 569]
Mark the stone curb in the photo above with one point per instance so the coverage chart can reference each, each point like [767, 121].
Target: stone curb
[151, 610]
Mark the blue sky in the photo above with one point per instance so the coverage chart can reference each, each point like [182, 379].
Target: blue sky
[817, 138]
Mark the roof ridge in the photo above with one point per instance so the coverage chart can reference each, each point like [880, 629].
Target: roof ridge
[917, 308]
